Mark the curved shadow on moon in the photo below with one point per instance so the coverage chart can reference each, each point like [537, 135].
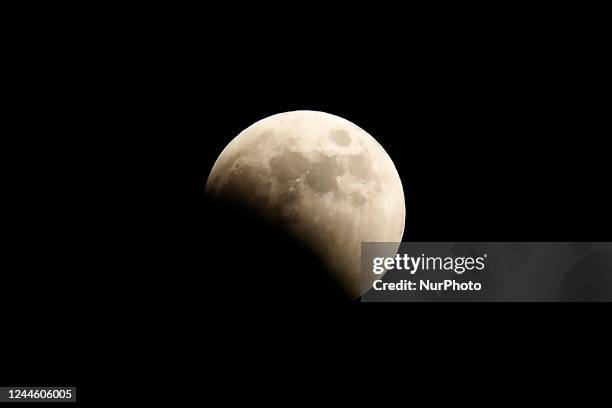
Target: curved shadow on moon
[257, 260]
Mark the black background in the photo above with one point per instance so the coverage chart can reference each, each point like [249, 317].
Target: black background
[498, 133]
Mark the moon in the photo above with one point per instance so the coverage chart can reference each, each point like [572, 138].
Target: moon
[327, 181]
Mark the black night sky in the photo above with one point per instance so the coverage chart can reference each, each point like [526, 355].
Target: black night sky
[118, 266]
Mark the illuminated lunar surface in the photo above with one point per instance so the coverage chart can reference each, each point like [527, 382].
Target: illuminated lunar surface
[325, 179]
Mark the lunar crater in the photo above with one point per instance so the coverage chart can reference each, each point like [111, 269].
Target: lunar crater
[288, 165]
[323, 173]
[340, 137]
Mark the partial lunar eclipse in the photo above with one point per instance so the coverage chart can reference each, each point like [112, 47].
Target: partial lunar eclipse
[323, 178]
